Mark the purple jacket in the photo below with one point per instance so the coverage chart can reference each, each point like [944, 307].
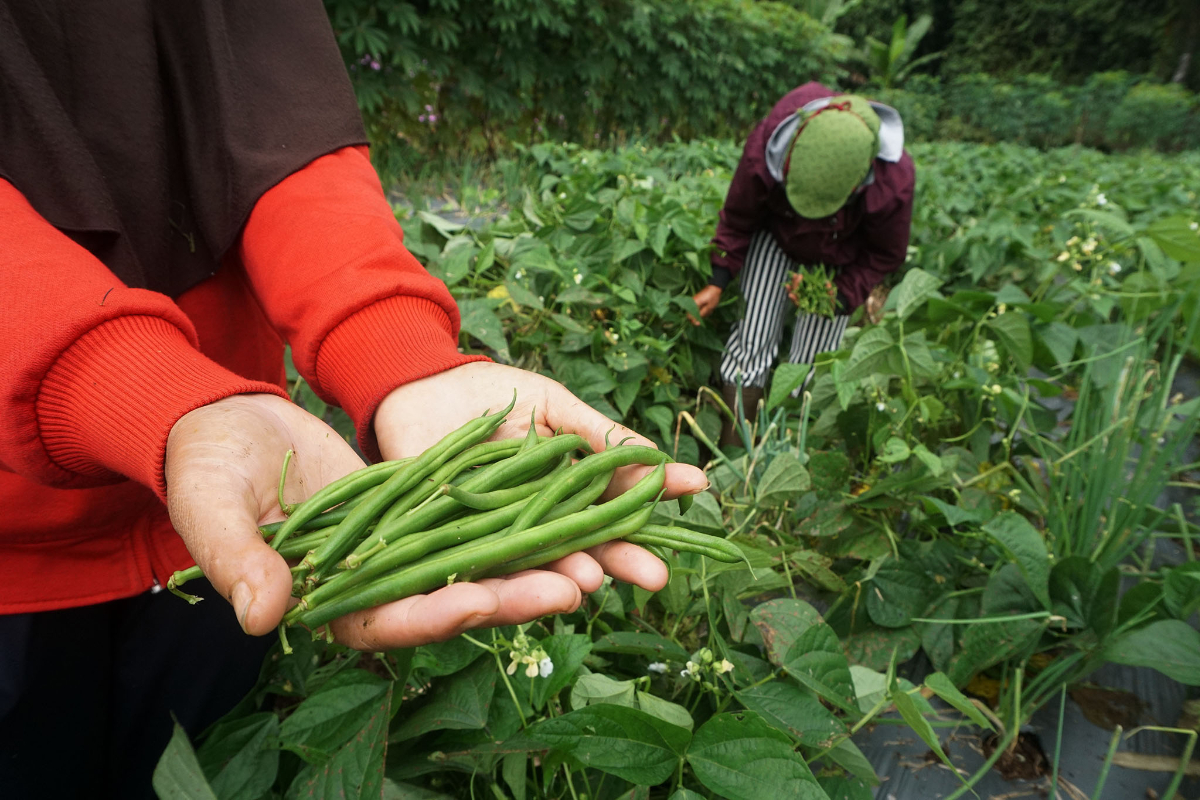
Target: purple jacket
[863, 242]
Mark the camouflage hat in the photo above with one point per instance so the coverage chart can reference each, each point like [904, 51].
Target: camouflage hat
[831, 155]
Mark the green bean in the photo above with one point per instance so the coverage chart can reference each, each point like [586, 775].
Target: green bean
[410, 548]
[352, 528]
[616, 530]
[480, 454]
[724, 551]
[323, 520]
[337, 492]
[298, 546]
[489, 478]
[582, 473]
[435, 570]
[486, 501]
[685, 503]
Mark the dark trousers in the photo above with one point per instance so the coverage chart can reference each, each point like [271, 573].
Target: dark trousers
[87, 694]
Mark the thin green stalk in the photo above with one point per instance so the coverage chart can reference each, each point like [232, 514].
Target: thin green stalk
[1107, 765]
[1062, 707]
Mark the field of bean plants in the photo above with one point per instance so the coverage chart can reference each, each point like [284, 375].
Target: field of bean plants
[981, 483]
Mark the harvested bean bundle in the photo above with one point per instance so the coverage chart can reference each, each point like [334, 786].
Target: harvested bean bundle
[464, 509]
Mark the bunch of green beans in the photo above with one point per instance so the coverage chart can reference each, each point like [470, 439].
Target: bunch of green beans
[466, 508]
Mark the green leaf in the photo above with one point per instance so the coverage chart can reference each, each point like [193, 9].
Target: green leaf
[685, 794]
[178, 775]
[784, 480]
[486, 258]
[840, 787]
[460, 702]
[794, 710]
[599, 688]
[1060, 339]
[817, 661]
[356, 769]
[912, 715]
[648, 645]
[917, 287]
[567, 652]
[955, 515]
[455, 261]
[1012, 331]
[896, 594]
[329, 717]
[941, 685]
[665, 710]
[741, 757]
[1083, 595]
[515, 770]
[1178, 236]
[870, 351]
[631, 744]
[781, 622]
[480, 321]
[443, 226]
[241, 756]
[1181, 589]
[847, 756]
[786, 379]
[1170, 646]
[1026, 547]
[627, 248]
[894, 451]
[931, 461]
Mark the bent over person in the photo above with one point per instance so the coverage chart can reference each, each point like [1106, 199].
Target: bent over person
[823, 180]
[184, 188]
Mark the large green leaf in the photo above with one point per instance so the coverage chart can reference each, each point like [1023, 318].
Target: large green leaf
[917, 287]
[567, 652]
[356, 769]
[741, 757]
[897, 593]
[781, 622]
[1026, 547]
[785, 380]
[1178, 236]
[331, 716]
[1170, 646]
[631, 744]
[480, 321]
[817, 661]
[1083, 595]
[784, 480]
[241, 756]
[1012, 331]
[460, 702]
[794, 710]
[870, 351]
[178, 775]
[942, 686]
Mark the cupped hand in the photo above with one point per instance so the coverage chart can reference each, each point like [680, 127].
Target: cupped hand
[417, 415]
[222, 469]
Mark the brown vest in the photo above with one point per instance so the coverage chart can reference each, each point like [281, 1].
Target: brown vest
[147, 129]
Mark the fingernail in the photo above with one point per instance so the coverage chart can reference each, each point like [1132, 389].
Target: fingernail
[241, 598]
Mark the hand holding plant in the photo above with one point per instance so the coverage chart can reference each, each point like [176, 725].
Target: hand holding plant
[813, 291]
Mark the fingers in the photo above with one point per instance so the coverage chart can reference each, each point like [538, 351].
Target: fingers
[448, 612]
[631, 564]
[219, 525]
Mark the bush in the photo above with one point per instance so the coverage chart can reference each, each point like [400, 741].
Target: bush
[1151, 115]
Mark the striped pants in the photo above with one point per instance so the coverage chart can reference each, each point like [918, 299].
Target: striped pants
[754, 342]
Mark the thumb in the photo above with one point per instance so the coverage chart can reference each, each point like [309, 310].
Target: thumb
[219, 525]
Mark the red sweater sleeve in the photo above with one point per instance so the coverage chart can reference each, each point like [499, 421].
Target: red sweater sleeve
[326, 258]
[92, 374]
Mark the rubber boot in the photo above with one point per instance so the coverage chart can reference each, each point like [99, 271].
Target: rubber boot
[750, 397]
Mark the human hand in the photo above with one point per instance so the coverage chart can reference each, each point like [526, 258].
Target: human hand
[417, 415]
[706, 300]
[222, 470]
[875, 302]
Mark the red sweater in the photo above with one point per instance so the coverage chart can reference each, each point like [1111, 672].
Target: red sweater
[864, 241]
[94, 374]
